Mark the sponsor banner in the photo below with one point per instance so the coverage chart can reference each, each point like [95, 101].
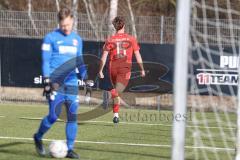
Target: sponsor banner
[217, 74]
[21, 65]
[217, 79]
[226, 72]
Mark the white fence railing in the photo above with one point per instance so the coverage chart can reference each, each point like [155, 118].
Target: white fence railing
[155, 30]
[21, 24]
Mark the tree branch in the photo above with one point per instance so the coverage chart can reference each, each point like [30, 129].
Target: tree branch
[57, 5]
[112, 14]
[30, 16]
[132, 19]
[75, 14]
[91, 17]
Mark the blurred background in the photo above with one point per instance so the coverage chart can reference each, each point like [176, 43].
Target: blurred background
[23, 24]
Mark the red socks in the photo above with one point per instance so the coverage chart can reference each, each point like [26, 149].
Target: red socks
[115, 108]
[114, 93]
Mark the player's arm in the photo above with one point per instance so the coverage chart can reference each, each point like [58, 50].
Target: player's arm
[82, 69]
[140, 62]
[80, 62]
[46, 56]
[102, 63]
[138, 56]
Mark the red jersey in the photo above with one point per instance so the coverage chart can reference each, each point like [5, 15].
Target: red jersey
[121, 46]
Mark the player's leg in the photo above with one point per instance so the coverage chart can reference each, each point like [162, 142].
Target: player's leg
[114, 93]
[120, 77]
[121, 83]
[72, 103]
[117, 100]
[54, 112]
[46, 123]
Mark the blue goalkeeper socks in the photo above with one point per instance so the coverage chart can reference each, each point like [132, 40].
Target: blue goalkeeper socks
[44, 127]
[71, 132]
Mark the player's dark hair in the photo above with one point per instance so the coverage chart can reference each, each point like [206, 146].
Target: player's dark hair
[64, 13]
[118, 23]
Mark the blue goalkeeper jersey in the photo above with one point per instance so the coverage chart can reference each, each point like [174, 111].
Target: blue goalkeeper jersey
[61, 55]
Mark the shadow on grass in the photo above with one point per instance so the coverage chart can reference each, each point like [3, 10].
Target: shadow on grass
[9, 144]
[123, 152]
[96, 124]
[4, 149]
[18, 152]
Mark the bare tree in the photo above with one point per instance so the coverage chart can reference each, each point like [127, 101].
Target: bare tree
[134, 32]
[75, 14]
[173, 2]
[91, 17]
[112, 14]
[57, 5]
[30, 16]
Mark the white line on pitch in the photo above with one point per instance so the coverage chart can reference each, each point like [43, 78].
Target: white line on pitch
[92, 142]
[136, 123]
[2, 116]
[155, 124]
[130, 123]
[32, 118]
[217, 70]
[128, 144]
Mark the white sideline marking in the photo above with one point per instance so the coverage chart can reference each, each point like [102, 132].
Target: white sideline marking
[30, 118]
[2, 116]
[128, 144]
[217, 70]
[155, 124]
[133, 123]
[92, 142]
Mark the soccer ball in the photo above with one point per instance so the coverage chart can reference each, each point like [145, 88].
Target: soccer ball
[58, 149]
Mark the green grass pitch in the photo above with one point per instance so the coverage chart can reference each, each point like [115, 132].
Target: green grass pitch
[141, 134]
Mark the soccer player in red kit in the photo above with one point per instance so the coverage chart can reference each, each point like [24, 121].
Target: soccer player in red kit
[120, 47]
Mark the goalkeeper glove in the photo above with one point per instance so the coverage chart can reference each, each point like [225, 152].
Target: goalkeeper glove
[47, 90]
[46, 87]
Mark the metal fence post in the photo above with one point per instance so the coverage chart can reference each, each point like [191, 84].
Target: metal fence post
[161, 29]
[158, 102]
[0, 77]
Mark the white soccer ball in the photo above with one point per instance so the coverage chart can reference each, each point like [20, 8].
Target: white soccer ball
[58, 149]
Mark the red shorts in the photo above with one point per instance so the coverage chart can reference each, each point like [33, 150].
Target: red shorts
[120, 72]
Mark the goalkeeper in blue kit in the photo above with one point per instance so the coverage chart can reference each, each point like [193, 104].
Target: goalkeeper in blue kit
[61, 55]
